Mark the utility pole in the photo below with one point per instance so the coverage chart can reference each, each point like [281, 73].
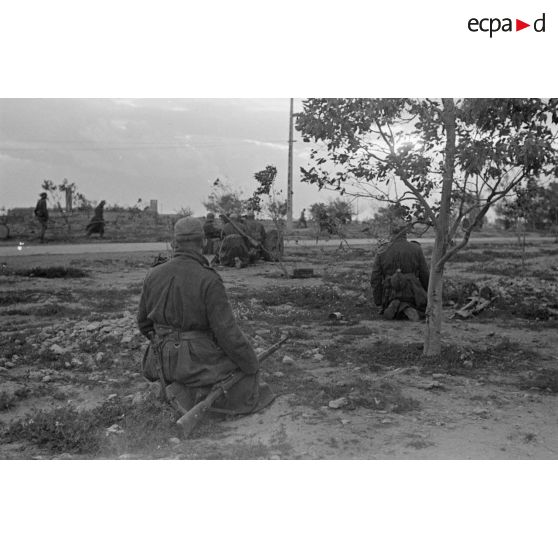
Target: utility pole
[290, 172]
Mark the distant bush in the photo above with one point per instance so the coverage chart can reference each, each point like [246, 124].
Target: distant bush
[53, 272]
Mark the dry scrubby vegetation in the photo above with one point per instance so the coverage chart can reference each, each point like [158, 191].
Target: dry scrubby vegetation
[68, 430]
[70, 356]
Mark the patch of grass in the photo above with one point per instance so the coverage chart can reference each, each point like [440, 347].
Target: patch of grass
[53, 309]
[489, 255]
[30, 296]
[351, 279]
[526, 309]
[544, 380]
[49, 309]
[61, 430]
[506, 269]
[337, 352]
[108, 301]
[300, 333]
[145, 427]
[419, 443]
[322, 299]
[52, 272]
[454, 359]
[9, 298]
[68, 430]
[7, 401]
[356, 330]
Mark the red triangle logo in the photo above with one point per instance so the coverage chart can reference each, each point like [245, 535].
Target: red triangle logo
[519, 25]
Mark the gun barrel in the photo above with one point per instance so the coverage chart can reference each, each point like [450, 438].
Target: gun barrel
[245, 235]
[270, 350]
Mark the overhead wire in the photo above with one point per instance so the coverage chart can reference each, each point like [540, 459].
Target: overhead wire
[76, 145]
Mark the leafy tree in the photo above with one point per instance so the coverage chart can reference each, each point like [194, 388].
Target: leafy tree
[275, 206]
[265, 179]
[184, 212]
[553, 206]
[66, 192]
[223, 197]
[449, 161]
[341, 211]
[380, 224]
[337, 211]
[526, 208]
[277, 210]
[533, 206]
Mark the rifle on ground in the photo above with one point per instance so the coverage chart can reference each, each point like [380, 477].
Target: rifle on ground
[475, 306]
[190, 418]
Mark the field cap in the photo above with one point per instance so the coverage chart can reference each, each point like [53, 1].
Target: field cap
[188, 228]
[210, 216]
[397, 226]
[43, 194]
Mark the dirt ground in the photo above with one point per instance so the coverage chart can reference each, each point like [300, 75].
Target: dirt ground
[350, 387]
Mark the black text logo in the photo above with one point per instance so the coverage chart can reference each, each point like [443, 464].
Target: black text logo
[493, 25]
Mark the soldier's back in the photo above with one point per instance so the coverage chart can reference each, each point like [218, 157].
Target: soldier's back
[402, 255]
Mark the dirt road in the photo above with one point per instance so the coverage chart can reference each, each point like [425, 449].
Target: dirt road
[10, 248]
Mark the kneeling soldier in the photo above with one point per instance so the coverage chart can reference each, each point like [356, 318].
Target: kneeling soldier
[196, 342]
[400, 276]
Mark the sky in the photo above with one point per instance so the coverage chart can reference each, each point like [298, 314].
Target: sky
[170, 150]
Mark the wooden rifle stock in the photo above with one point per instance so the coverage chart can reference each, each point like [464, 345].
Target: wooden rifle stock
[189, 420]
[155, 345]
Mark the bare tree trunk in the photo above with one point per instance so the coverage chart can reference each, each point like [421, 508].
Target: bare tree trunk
[433, 332]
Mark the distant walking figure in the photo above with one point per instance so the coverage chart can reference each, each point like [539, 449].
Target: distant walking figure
[302, 224]
[97, 223]
[41, 213]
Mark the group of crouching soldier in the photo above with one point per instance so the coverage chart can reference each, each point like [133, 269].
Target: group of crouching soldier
[240, 241]
[195, 343]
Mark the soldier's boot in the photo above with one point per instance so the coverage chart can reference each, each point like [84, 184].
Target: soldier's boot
[391, 311]
[412, 314]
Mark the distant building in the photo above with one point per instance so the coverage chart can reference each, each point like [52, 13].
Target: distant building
[69, 196]
[153, 206]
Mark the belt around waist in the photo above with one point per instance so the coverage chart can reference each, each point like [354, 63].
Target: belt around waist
[186, 335]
